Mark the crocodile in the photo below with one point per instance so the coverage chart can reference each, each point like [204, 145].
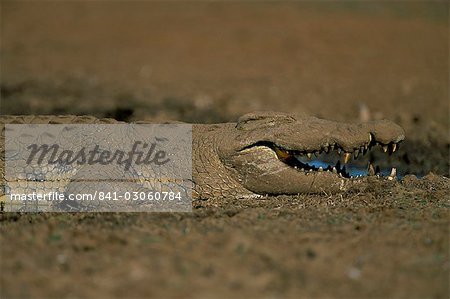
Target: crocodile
[265, 153]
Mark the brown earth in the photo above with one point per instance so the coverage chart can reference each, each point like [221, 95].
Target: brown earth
[210, 62]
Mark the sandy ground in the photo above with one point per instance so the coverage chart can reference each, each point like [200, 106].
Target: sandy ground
[211, 62]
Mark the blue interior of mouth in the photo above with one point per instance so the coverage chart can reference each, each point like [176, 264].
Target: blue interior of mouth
[352, 169]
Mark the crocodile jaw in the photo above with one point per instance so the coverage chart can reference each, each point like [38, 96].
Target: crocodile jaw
[269, 170]
[266, 174]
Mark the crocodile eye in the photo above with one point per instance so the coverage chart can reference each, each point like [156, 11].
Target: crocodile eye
[264, 119]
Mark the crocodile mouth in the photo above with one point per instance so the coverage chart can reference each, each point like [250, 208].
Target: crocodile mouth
[332, 158]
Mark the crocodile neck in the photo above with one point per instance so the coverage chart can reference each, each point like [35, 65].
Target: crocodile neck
[210, 175]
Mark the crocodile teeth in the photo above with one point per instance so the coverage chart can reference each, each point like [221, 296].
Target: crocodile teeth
[371, 170]
[307, 160]
[370, 137]
[393, 172]
[392, 148]
[347, 157]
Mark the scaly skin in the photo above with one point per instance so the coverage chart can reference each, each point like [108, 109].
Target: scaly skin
[253, 157]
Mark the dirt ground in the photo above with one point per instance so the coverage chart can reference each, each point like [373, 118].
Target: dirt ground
[211, 62]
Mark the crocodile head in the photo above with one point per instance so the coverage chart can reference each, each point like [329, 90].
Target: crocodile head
[272, 153]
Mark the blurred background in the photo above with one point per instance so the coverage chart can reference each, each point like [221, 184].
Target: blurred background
[214, 61]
